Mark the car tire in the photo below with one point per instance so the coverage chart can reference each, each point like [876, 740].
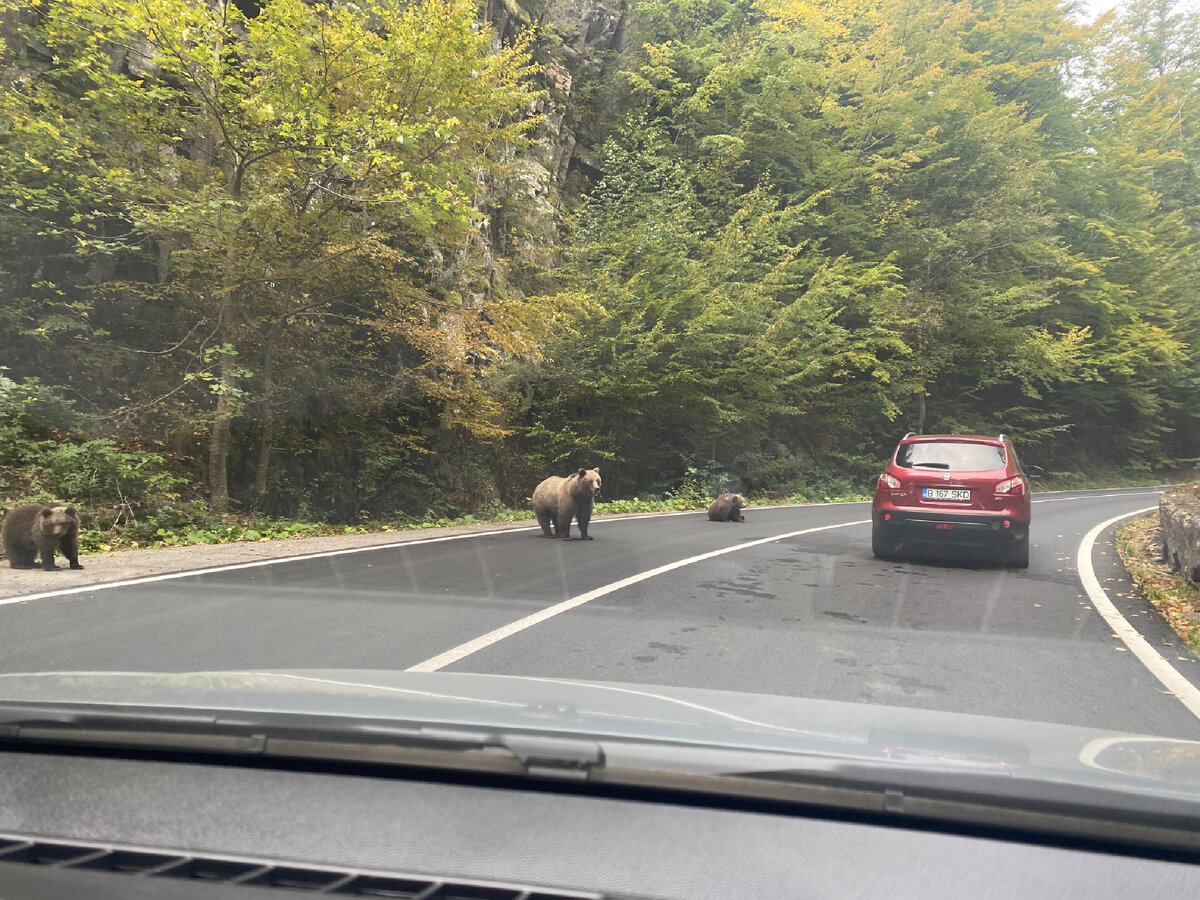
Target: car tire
[1018, 555]
[883, 544]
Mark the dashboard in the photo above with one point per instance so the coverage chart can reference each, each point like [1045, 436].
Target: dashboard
[80, 825]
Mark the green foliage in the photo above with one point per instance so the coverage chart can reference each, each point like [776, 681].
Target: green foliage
[30, 411]
[832, 224]
[36, 464]
[801, 479]
[194, 523]
[95, 473]
[315, 247]
[638, 505]
[701, 483]
[266, 188]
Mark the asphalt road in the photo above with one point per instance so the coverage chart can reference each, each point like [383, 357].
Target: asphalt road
[789, 602]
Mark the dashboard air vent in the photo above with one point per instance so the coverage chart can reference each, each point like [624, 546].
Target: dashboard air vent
[320, 880]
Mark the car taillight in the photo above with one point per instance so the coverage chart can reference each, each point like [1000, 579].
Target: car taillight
[888, 481]
[1015, 486]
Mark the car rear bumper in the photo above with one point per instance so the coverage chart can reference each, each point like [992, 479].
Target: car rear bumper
[948, 526]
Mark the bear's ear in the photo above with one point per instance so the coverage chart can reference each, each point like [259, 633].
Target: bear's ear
[582, 471]
[46, 512]
[70, 510]
[596, 470]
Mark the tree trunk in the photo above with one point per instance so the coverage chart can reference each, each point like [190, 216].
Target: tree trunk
[218, 443]
[258, 491]
[921, 411]
[218, 458]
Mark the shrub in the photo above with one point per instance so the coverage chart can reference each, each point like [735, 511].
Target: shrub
[30, 412]
[98, 475]
[701, 483]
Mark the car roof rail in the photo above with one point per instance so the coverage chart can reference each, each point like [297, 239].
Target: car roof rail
[907, 436]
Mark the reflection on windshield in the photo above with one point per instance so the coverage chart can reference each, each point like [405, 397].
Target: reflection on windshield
[1171, 760]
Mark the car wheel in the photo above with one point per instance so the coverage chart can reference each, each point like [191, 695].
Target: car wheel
[883, 544]
[1018, 555]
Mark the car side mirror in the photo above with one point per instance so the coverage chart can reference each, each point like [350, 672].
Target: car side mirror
[1035, 471]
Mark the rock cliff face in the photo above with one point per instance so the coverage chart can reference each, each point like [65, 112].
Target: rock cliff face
[577, 38]
[518, 239]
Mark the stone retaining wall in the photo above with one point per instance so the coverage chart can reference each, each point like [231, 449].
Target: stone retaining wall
[1179, 519]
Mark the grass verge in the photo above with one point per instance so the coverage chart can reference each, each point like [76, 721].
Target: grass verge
[181, 531]
[197, 526]
[1177, 599]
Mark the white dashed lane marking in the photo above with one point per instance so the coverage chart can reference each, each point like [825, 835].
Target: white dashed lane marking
[454, 654]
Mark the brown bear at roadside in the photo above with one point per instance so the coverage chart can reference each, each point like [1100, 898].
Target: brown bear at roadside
[727, 508]
[557, 500]
[36, 529]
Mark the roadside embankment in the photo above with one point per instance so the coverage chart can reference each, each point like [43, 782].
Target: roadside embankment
[1179, 521]
[1139, 542]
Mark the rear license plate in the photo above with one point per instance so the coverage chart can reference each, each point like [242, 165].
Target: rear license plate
[945, 494]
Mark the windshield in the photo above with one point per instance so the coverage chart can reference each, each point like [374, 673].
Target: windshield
[962, 456]
[567, 345]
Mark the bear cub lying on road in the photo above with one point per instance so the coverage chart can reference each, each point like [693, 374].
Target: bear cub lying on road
[557, 500]
[727, 508]
[30, 530]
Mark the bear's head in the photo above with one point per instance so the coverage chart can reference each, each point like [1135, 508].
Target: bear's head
[59, 520]
[589, 480]
[739, 502]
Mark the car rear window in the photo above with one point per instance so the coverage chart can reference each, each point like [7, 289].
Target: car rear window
[958, 456]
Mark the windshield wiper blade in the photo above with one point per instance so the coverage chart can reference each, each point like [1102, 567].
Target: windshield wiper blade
[299, 735]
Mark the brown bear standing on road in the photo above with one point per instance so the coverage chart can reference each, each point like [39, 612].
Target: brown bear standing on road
[557, 500]
[30, 530]
[727, 508]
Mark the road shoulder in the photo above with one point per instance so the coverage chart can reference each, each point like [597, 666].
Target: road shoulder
[1134, 619]
[1139, 542]
[120, 565]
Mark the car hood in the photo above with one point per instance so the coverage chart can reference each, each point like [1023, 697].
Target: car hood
[676, 718]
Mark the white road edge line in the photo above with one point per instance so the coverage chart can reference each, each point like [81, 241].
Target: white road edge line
[454, 654]
[1187, 693]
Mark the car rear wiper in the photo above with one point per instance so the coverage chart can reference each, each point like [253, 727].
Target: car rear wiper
[930, 465]
[298, 736]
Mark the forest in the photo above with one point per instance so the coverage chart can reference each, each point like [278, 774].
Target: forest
[359, 261]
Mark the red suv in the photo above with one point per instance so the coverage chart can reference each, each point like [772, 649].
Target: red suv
[960, 489]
